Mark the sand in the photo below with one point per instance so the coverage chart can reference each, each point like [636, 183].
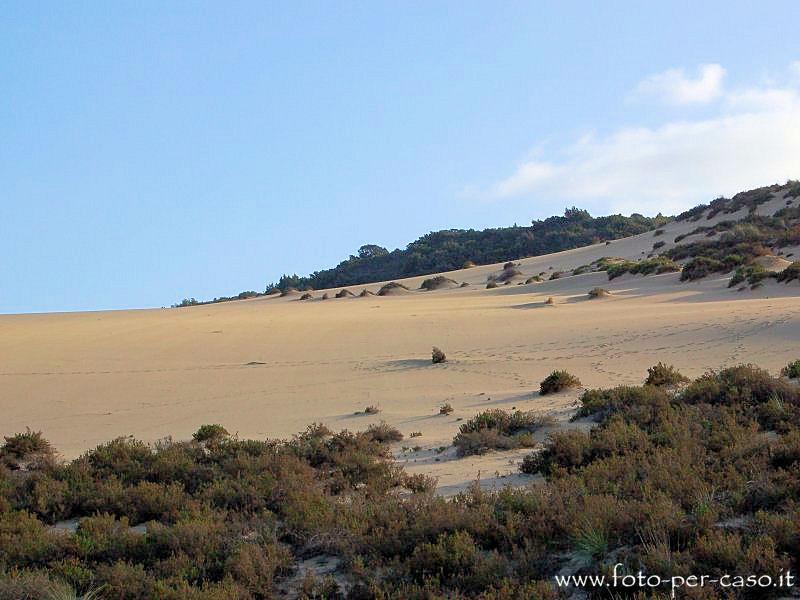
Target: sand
[268, 367]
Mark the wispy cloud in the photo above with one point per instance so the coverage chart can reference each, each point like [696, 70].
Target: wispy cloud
[753, 139]
[674, 87]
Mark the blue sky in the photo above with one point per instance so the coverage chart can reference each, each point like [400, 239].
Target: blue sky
[151, 151]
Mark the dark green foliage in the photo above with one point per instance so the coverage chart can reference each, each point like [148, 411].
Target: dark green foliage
[700, 267]
[792, 370]
[752, 274]
[210, 433]
[657, 265]
[558, 381]
[25, 444]
[452, 249]
[498, 430]
[664, 375]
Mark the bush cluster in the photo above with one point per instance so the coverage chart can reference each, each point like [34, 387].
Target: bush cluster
[558, 381]
[704, 479]
[657, 265]
[499, 430]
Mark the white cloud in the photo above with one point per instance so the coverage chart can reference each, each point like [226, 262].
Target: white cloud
[754, 139]
[674, 87]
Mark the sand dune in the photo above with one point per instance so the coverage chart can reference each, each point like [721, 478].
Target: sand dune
[268, 367]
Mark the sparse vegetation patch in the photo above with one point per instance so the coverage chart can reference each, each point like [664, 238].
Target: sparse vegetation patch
[558, 381]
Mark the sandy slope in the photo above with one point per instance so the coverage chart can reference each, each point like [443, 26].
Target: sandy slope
[270, 366]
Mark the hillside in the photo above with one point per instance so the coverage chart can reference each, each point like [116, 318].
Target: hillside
[452, 249]
[278, 499]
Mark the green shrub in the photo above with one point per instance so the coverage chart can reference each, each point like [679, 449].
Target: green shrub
[25, 444]
[558, 381]
[497, 429]
[657, 265]
[701, 267]
[210, 433]
[792, 370]
[664, 375]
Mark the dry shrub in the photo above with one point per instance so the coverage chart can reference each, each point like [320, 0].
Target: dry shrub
[598, 292]
[437, 356]
[558, 381]
[383, 433]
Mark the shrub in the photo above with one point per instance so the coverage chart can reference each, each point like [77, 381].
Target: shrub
[372, 410]
[743, 385]
[445, 409]
[550, 300]
[598, 292]
[558, 381]
[657, 265]
[210, 433]
[437, 356]
[534, 279]
[383, 433]
[306, 296]
[700, 267]
[792, 370]
[753, 274]
[790, 273]
[664, 375]
[555, 275]
[498, 430]
[438, 282]
[21, 445]
[491, 285]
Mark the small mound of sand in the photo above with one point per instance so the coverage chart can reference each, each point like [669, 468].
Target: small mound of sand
[491, 285]
[345, 293]
[534, 279]
[440, 282]
[306, 296]
[365, 293]
[775, 264]
[393, 289]
[508, 273]
[599, 292]
[289, 291]
[464, 284]
[325, 296]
